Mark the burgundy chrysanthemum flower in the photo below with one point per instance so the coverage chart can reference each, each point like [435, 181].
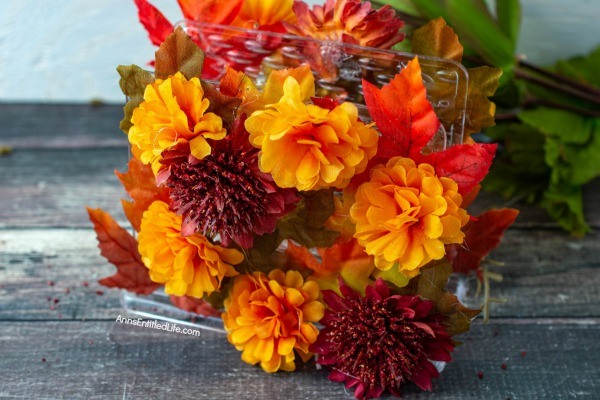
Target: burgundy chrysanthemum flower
[225, 193]
[378, 342]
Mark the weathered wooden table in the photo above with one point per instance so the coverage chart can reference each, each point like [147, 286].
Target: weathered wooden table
[59, 338]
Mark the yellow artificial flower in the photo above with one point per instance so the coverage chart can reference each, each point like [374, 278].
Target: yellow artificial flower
[309, 147]
[188, 266]
[405, 215]
[173, 115]
[257, 13]
[268, 317]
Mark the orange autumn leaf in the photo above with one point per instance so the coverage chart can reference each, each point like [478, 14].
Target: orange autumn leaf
[121, 249]
[407, 123]
[238, 85]
[213, 11]
[347, 259]
[482, 235]
[403, 115]
[140, 184]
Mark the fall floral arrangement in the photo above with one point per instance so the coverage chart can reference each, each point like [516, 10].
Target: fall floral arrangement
[313, 233]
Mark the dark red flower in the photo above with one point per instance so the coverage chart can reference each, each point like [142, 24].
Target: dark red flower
[225, 193]
[377, 342]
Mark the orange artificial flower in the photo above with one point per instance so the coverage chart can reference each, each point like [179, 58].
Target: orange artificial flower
[188, 266]
[406, 214]
[309, 147]
[173, 114]
[340, 220]
[347, 259]
[268, 317]
[348, 21]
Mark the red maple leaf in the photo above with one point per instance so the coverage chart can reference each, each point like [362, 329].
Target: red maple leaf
[196, 306]
[466, 164]
[120, 248]
[407, 123]
[157, 25]
[482, 235]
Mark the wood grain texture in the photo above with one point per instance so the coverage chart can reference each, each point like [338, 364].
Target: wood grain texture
[64, 157]
[547, 274]
[101, 360]
[51, 306]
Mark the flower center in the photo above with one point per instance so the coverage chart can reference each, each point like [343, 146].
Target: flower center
[375, 344]
[220, 192]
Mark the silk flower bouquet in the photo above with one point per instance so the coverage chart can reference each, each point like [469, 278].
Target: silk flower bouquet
[316, 236]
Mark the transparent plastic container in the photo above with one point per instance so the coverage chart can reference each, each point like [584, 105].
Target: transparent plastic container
[339, 69]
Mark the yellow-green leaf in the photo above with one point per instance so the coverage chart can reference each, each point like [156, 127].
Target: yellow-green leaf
[133, 83]
[134, 80]
[483, 82]
[305, 224]
[179, 53]
[392, 275]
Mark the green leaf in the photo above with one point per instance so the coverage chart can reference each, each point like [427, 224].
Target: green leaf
[431, 284]
[564, 203]
[567, 126]
[263, 255]
[431, 9]
[404, 6]
[508, 13]
[305, 224]
[179, 53]
[572, 144]
[584, 69]
[133, 83]
[520, 169]
[573, 164]
[474, 24]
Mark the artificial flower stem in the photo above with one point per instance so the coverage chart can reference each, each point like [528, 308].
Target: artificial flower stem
[487, 277]
[559, 78]
[557, 86]
[559, 106]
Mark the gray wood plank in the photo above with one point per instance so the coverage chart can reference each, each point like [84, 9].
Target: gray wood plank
[60, 125]
[64, 157]
[547, 274]
[101, 360]
[51, 187]
[43, 187]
